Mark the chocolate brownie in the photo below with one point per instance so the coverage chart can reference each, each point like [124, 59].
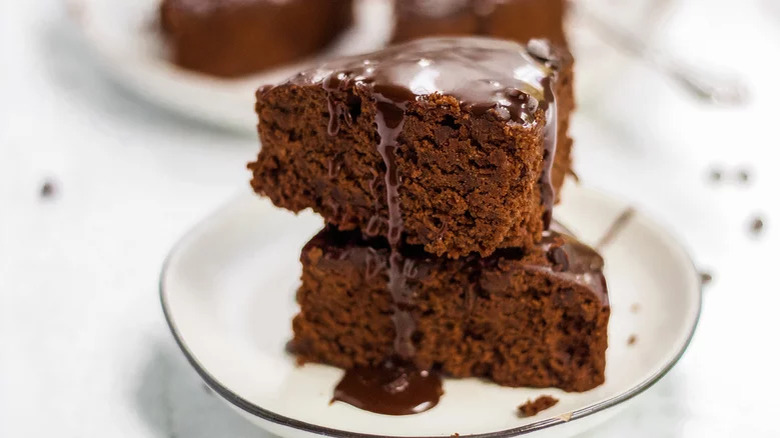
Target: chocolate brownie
[533, 317]
[539, 404]
[233, 38]
[457, 144]
[517, 20]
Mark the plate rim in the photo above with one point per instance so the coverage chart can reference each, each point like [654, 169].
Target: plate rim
[264, 414]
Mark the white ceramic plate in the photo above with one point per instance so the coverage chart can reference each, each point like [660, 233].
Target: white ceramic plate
[125, 36]
[228, 294]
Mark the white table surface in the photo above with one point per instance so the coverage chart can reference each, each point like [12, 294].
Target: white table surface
[84, 350]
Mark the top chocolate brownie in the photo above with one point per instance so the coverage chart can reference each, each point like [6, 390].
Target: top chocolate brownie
[457, 144]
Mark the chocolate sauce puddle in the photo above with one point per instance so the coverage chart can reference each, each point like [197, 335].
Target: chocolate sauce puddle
[391, 389]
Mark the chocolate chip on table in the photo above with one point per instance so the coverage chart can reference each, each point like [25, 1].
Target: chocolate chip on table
[757, 225]
[743, 175]
[48, 189]
[716, 175]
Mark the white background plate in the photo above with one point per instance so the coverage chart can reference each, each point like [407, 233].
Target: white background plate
[228, 294]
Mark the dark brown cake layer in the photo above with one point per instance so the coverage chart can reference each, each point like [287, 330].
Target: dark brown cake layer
[520, 318]
[517, 20]
[233, 38]
[472, 130]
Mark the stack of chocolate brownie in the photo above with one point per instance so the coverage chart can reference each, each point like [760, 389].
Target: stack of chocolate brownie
[436, 165]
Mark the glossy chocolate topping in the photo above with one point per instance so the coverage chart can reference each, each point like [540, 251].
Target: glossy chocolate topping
[391, 389]
[509, 80]
[573, 260]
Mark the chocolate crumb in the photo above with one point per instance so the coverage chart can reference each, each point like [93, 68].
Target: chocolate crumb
[757, 225]
[533, 407]
[632, 340]
[744, 176]
[635, 308]
[48, 189]
[705, 278]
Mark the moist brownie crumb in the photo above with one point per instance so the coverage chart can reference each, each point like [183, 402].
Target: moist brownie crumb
[533, 407]
[632, 340]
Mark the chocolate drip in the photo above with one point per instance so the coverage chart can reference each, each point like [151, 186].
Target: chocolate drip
[542, 51]
[546, 188]
[390, 108]
[334, 113]
[573, 260]
[391, 389]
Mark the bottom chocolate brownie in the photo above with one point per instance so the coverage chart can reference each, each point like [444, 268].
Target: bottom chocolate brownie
[536, 318]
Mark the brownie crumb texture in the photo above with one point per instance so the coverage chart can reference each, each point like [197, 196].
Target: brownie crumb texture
[632, 340]
[533, 407]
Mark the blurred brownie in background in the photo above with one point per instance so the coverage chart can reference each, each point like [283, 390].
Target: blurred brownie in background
[518, 20]
[231, 38]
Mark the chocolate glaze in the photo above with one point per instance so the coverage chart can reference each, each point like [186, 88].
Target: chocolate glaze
[566, 258]
[573, 260]
[392, 389]
[485, 75]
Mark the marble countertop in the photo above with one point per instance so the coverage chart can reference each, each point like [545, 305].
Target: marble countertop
[84, 350]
